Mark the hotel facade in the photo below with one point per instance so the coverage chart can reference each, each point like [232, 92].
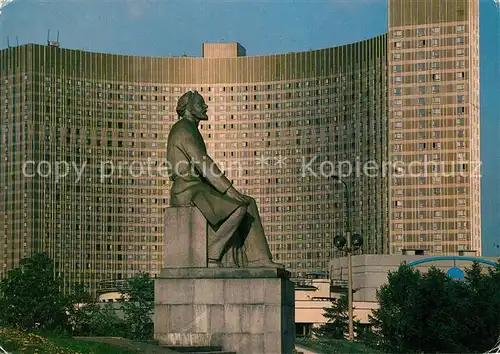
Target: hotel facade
[83, 146]
[434, 124]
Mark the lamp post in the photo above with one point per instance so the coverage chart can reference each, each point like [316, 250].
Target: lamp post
[347, 241]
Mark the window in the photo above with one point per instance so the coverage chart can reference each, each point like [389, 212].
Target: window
[397, 91]
[421, 32]
[460, 87]
[435, 65]
[421, 66]
[435, 54]
[460, 64]
[460, 75]
[435, 42]
[459, 40]
[460, 110]
[422, 90]
[397, 68]
[398, 45]
[436, 111]
[460, 52]
[421, 43]
[396, 56]
[435, 88]
[398, 34]
[460, 99]
[460, 29]
[436, 30]
[420, 55]
[436, 100]
[436, 77]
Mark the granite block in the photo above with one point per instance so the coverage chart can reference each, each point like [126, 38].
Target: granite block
[209, 291]
[185, 238]
[178, 291]
[253, 319]
[232, 319]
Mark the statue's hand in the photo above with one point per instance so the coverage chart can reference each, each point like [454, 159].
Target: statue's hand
[234, 194]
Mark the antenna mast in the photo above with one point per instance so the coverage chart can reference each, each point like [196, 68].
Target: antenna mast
[53, 43]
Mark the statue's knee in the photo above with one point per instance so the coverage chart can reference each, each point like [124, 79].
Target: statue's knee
[243, 209]
[252, 201]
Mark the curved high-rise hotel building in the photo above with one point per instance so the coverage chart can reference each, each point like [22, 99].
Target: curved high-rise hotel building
[83, 146]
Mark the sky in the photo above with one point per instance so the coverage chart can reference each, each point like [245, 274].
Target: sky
[177, 27]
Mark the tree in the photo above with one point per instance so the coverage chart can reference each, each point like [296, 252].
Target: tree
[431, 312]
[30, 297]
[482, 308]
[138, 306]
[389, 321]
[88, 318]
[100, 320]
[337, 325]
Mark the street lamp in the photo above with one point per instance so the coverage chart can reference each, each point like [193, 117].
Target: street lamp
[349, 243]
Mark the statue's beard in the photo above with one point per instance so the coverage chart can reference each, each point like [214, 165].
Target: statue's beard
[201, 115]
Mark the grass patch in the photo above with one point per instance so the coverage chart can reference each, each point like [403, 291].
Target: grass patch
[17, 341]
[335, 346]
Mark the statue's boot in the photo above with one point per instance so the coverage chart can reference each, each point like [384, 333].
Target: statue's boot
[213, 263]
[256, 245]
[265, 263]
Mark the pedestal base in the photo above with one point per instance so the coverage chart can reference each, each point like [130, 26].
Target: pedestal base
[245, 310]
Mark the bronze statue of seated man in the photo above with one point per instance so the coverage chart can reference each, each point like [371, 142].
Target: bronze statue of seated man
[237, 237]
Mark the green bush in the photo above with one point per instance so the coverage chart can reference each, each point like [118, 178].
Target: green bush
[434, 313]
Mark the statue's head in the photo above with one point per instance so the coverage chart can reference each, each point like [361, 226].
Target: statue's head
[192, 104]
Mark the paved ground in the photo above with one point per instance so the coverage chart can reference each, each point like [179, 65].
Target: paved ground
[303, 350]
[125, 343]
[155, 349]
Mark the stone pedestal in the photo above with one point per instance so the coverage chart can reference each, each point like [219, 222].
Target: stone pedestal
[245, 310]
